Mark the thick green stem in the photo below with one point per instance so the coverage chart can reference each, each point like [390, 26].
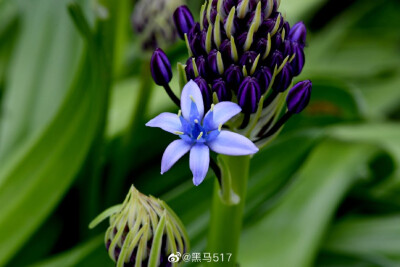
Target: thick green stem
[227, 209]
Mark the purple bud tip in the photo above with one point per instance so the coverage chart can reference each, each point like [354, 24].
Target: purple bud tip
[298, 33]
[249, 95]
[275, 59]
[233, 77]
[213, 61]
[283, 79]
[247, 59]
[160, 67]
[205, 92]
[183, 20]
[299, 96]
[264, 77]
[299, 60]
[223, 93]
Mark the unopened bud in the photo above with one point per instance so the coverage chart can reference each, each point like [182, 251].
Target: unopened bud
[143, 231]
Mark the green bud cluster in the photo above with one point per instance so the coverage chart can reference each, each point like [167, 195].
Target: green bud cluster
[143, 231]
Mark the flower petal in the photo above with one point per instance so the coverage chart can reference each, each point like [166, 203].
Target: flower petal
[221, 113]
[191, 90]
[168, 122]
[173, 153]
[199, 162]
[229, 143]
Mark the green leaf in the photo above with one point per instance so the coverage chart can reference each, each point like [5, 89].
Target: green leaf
[290, 234]
[365, 236]
[385, 135]
[382, 96]
[90, 253]
[34, 178]
[41, 71]
[270, 176]
[297, 10]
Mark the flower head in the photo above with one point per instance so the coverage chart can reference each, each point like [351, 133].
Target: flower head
[200, 132]
[143, 231]
[246, 52]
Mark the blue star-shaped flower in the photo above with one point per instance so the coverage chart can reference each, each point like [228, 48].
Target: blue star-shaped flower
[200, 133]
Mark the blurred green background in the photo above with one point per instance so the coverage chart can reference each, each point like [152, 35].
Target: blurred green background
[74, 97]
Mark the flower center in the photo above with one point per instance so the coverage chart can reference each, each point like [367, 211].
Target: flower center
[198, 133]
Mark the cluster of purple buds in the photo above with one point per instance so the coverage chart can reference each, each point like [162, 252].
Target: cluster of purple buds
[245, 52]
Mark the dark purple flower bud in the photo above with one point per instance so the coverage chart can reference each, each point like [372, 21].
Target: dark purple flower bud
[233, 77]
[241, 40]
[283, 79]
[228, 4]
[264, 76]
[249, 95]
[197, 40]
[213, 15]
[261, 46]
[183, 20]
[286, 26]
[298, 33]
[201, 65]
[226, 51]
[213, 62]
[287, 49]
[276, 41]
[276, 5]
[189, 69]
[205, 91]
[299, 60]
[275, 16]
[299, 96]
[275, 59]
[223, 93]
[247, 59]
[160, 67]
[266, 27]
[193, 31]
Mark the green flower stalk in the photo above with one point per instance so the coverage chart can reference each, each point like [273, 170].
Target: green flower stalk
[143, 231]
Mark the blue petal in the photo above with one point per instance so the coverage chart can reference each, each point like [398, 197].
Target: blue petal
[229, 143]
[173, 153]
[211, 135]
[221, 113]
[186, 138]
[199, 162]
[168, 122]
[191, 89]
